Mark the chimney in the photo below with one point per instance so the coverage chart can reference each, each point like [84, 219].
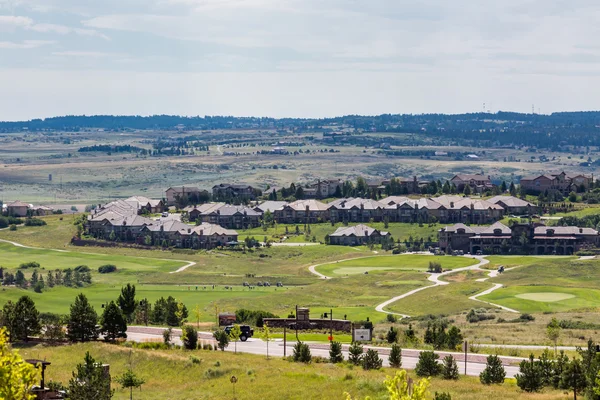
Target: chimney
[189, 230]
[307, 208]
[580, 230]
[451, 204]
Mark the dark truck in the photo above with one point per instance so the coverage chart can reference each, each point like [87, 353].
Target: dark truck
[247, 332]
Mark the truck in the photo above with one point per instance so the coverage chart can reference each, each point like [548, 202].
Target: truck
[247, 331]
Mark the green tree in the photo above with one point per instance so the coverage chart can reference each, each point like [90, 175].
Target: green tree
[494, 371]
[234, 334]
[371, 360]
[20, 279]
[399, 389]
[113, 323]
[427, 364]
[553, 332]
[189, 337]
[573, 378]
[81, 325]
[392, 335]
[197, 314]
[90, 381]
[222, 339]
[27, 319]
[467, 190]
[529, 378]
[9, 320]
[355, 353]
[512, 189]
[167, 336]
[127, 302]
[130, 380]
[449, 368]
[454, 338]
[395, 357]
[335, 352]
[53, 327]
[301, 353]
[16, 376]
[266, 336]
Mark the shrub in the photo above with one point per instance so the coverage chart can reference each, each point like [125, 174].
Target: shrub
[13, 227]
[81, 268]
[355, 353]
[478, 316]
[435, 267]
[392, 318]
[494, 371]
[335, 352]
[34, 222]
[195, 360]
[427, 364]
[371, 360]
[3, 222]
[442, 396]
[167, 335]
[449, 368]
[222, 339]
[31, 264]
[301, 353]
[392, 335]
[107, 269]
[189, 337]
[395, 358]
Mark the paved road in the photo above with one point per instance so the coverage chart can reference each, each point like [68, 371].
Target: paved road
[475, 362]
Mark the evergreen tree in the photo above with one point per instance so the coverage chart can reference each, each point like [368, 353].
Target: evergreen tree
[453, 338]
[512, 189]
[395, 357]
[81, 325]
[126, 301]
[27, 319]
[392, 335]
[335, 352]
[503, 187]
[34, 278]
[427, 364]
[558, 368]
[301, 353]
[130, 380]
[494, 371]
[9, 320]
[89, 381]
[222, 339]
[449, 368]
[573, 378]
[467, 190]
[20, 279]
[529, 378]
[371, 360]
[189, 337]
[113, 323]
[355, 353]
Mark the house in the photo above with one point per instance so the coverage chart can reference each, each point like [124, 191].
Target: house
[514, 205]
[194, 212]
[270, 206]
[17, 209]
[563, 239]
[184, 194]
[144, 205]
[468, 210]
[558, 182]
[357, 235]
[457, 237]
[324, 189]
[356, 210]
[227, 192]
[42, 210]
[495, 239]
[302, 212]
[230, 216]
[478, 183]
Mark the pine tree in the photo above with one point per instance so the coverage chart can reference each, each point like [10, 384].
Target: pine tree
[301, 353]
[449, 368]
[126, 301]
[130, 380]
[189, 337]
[20, 279]
[355, 353]
[89, 381]
[529, 378]
[573, 378]
[8, 320]
[34, 278]
[335, 352]
[494, 371]
[427, 364]
[395, 357]
[113, 323]
[392, 335]
[222, 339]
[81, 325]
[371, 360]
[27, 319]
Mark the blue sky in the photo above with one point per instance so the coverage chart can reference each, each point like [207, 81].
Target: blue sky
[297, 58]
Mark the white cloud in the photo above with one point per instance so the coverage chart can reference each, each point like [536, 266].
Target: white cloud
[91, 54]
[25, 44]
[11, 22]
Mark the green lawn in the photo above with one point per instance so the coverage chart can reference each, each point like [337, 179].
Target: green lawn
[520, 261]
[447, 300]
[400, 262]
[548, 298]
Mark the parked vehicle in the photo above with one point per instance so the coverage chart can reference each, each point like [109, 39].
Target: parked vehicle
[247, 331]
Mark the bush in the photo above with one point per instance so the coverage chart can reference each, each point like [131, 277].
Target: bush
[371, 360]
[167, 336]
[31, 264]
[301, 353]
[395, 358]
[392, 335]
[252, 317]
[478, 316]
[427, 364]
[449, 368]
[189, 337]
[13, 227]
[442, 396]
[392, 318]
[494, 371]
[107, 269]
[335, 353]
[195, 360]
[355, 353]
[34, 222]
[435, 267]
[82, 268]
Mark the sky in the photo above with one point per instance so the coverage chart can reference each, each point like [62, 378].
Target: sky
[296, 58]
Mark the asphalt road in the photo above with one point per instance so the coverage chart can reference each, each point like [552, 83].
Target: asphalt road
[475, 362]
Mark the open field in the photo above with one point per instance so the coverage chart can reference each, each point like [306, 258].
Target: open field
[170, 374]
[401, 262]
[521, 261]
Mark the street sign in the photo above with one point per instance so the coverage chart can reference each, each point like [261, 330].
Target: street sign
[361, 335]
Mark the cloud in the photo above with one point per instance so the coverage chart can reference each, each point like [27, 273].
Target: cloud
[11, 23]
[91, 54]
[25, 44]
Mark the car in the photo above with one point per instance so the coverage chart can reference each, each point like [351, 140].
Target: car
[165, 214]
[479, 253]
[247, 331]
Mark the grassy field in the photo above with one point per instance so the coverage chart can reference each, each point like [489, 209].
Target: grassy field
[401, 262]
[521, 261]
[170, 374]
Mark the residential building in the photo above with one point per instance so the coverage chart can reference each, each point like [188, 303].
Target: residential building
[357, 235]
[228, 192]
[557, 182]
[356, 210]
[302, 212]
[42, 210]
[563, 239]
[185, 195]
[145, 205]
[478, 183]
[270, 206]
[514, 205]
[323, 189]
[17, 209]
[230, 216]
